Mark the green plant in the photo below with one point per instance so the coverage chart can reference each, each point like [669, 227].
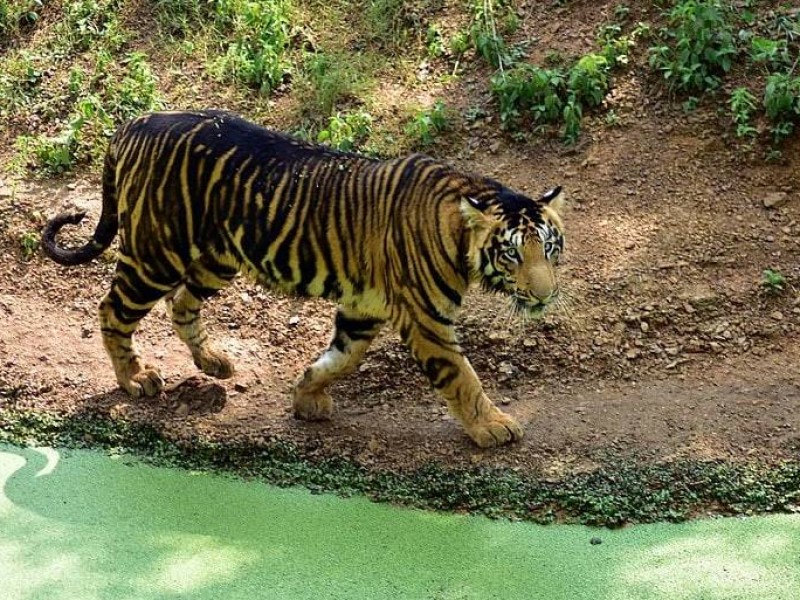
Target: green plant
[254, 42]
[697, 47]
[16, 14]
[386, 22]
[488, 42]
[460, 43]
[743, 104]
[29, 244]
[426, 124]
[782, 104]
[434, 42]
[588, 80]
[773, 281]
[20, 81]
[530, 90]
[770, 52]
[346, 131]
[87, 21]
[137, 92]
[329, 79]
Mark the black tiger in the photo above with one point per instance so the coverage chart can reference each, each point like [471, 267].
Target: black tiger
[197, 197]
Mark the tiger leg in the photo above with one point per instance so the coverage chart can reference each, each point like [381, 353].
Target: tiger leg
[125, 305]
[353, 334]
[435, 349]
[204, 278]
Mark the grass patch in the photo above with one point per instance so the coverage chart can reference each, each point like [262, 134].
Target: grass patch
[611, 496]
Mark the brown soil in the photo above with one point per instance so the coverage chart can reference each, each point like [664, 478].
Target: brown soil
[671, 348]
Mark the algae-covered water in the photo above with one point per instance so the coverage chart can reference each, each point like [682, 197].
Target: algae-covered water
[87, 526]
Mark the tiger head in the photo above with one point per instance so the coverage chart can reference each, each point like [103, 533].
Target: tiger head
[515, 245]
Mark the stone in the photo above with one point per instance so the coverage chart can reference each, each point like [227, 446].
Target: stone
[775, 199]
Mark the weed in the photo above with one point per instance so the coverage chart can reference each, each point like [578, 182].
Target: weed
[459, 43]
[552, 95]
[434, 42]
[259, 34]
[137, 92]
[20, 82]
[773, 53]
[697, 47]
[612, 118]
[782, 104]
[426, 124]
[588, 80]
[53, 155]
[743, 104]
[621, 12]
[530, 90]
[690, 104]
[488, 43]
[773, 281]
[346, 131]
[29, 244]
[385, 22]
[329, 79]
[16, 15]
[87, 21]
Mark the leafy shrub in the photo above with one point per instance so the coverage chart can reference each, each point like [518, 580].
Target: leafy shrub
[773, 281]
[87, 21]
[697, 47]
[530, 90]
[773, 53]
[346, 131]
[588, 79]
[552, 95]
[426, 124]
[743, 104]
[782, 104]
[20, 82]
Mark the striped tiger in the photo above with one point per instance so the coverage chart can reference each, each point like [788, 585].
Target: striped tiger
[197, 197]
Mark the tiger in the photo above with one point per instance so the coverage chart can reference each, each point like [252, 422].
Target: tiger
[197, 197]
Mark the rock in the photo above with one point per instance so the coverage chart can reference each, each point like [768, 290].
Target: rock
[505, 400]
[294, 320]
[240, 387]
[6, 192]
[776, 315]
[775, 199]
[699, 296]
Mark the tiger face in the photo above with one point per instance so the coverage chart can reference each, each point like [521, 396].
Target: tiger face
[516, 244]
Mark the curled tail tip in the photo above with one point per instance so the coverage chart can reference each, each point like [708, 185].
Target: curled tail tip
[75, 217]
[64, 256]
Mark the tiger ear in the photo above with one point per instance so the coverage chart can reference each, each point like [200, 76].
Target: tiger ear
[475, 214]
[555, 199]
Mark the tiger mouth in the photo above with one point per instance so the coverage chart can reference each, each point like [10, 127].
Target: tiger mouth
[532, 309]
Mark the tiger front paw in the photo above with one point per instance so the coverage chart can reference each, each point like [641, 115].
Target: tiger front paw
[312, 405]
[496, 429]
[145, 382]
[214, 363]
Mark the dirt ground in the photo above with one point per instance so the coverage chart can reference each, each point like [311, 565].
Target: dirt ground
[671, 347]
